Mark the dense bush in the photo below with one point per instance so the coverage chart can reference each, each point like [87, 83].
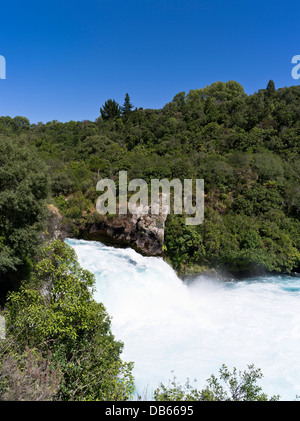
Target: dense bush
[230, 386]
[55, 314]
[246, 147]
[24, 187]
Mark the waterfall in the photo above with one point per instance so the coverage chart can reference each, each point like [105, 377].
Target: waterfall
[170, 327]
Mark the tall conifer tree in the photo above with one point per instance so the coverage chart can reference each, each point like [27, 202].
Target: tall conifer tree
[127, 106]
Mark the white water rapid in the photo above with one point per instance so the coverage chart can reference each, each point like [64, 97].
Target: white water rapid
[167, 325]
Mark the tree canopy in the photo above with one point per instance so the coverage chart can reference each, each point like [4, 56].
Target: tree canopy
[247, 150]
[110, 109]
[127, 106]
[245, 147]
[24, 187]
[55, 313]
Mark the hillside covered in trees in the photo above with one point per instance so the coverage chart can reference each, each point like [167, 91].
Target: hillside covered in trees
[245, 147]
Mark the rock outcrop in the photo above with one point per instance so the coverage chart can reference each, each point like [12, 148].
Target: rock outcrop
[142, 232]
[53, 229]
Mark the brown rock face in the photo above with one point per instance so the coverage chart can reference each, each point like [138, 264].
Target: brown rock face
[53, 230]
[143, 232]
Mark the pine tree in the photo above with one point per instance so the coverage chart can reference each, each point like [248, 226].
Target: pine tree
[127, 106]
[270, 88]
[110, 109]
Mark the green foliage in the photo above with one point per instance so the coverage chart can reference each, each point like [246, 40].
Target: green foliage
[110, 109]
[127, 106]
[246, 147]
[268, 166]
[56, 312]
[62, 183]
[270, 88]
[231, 386]
[24, 186]
[184, 243]
[27, 375]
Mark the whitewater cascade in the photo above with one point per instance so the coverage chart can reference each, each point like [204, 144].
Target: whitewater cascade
[189, 330]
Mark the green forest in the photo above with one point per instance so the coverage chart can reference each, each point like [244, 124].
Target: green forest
[245, 147]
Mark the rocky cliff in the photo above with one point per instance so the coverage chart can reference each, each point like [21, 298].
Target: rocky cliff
[143, 232]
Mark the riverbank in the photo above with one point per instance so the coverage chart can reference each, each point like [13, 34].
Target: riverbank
[146, 236]
[188, 329]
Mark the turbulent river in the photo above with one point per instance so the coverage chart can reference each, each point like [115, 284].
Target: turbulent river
[188, 330]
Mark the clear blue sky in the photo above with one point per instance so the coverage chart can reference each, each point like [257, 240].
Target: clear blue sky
[66, 58]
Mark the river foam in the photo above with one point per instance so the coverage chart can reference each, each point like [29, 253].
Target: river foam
[189, 330]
